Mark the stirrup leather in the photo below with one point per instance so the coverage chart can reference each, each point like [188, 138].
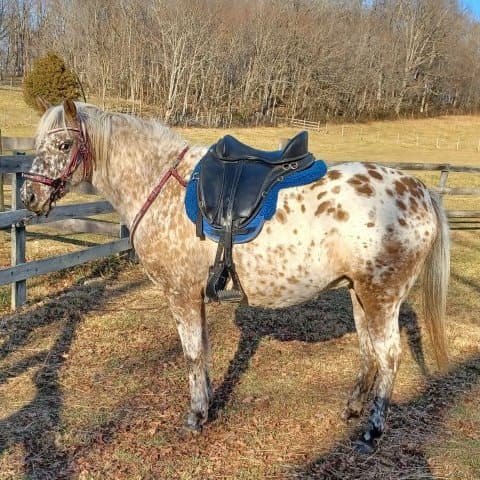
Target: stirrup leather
[221, 272]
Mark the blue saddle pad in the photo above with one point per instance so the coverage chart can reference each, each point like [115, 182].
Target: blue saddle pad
[266, 211]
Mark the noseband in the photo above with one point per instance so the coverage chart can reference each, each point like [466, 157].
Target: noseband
[81, 154]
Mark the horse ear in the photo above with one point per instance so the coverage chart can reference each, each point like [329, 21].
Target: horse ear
[42, 104]
[70, 112]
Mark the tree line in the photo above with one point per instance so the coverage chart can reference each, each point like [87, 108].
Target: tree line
[254, 60]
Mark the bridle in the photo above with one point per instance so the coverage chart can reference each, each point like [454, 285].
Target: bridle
[81, 154]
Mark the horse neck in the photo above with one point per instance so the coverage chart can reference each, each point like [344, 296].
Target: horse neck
[135, 166]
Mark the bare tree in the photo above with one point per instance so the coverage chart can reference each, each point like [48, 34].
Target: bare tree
[219, 61]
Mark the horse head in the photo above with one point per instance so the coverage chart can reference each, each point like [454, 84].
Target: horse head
[63, 157]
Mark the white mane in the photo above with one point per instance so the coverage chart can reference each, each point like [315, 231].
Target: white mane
[98, 124]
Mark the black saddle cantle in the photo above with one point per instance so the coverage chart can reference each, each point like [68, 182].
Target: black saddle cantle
[234, 180]
[230, 149]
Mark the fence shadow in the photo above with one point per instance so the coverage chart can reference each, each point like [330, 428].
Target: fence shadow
[412, 425]
[36, 425]
[328, 317]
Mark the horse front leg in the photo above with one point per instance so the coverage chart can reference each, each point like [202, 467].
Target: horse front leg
[192, 329]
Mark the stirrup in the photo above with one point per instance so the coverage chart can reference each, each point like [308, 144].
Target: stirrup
[220, 273]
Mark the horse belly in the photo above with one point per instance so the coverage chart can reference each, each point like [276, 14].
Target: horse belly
[285, 265]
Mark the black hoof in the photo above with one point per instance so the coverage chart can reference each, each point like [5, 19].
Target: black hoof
[193, 423]
[364, 448]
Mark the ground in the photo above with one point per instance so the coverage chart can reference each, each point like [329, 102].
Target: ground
[93, 382]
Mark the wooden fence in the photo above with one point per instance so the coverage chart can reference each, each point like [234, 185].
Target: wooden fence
[307, 125]
[17, 218]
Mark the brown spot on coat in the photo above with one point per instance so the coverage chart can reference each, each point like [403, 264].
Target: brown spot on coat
[342, 215]
[413, 185]
[334, 174]
[413, 205]
[336, 189]
[375, 174]
[320, 195]
[319, 183]
[361, 185]
[400, 187]
[281, 216]
[322, 207]
[366, 190]
[401, 205]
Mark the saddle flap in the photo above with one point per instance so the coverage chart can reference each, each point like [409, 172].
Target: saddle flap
[232, 189]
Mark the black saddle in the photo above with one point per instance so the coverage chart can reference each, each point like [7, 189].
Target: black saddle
[234, 181]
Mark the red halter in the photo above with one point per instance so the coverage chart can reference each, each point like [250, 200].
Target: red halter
[81, 154]
[171, 172]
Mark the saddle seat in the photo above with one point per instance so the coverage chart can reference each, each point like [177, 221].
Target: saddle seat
[233, 183]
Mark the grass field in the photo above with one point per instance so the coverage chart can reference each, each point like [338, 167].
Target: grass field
[93, 382]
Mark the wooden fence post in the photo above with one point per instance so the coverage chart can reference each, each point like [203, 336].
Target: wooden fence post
[443, 182]
[124, 232]
[2, 197]
[18, 242]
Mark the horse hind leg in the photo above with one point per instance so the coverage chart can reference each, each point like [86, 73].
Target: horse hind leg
[383, 328]
[368, 366]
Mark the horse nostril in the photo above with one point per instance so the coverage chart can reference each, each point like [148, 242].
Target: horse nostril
[31, 198]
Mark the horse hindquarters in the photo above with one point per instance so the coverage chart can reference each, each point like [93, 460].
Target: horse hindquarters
[377, 297]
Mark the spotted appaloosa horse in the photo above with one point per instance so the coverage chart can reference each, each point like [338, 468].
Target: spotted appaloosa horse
[364, 226]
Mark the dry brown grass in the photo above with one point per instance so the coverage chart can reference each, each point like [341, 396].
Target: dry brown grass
[16, 118]
[93, 383]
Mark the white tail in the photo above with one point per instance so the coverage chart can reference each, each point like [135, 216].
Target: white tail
[435, 285]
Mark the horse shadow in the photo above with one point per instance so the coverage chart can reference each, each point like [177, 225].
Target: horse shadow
[37, 425]
[325, 318]
[411, 425]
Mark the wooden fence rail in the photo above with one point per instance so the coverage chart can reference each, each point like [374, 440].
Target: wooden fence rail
[18, 218]
[306, 124]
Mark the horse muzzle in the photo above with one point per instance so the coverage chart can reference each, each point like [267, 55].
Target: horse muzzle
[35, 199]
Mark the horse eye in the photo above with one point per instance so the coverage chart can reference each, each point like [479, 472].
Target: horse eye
[65, 146]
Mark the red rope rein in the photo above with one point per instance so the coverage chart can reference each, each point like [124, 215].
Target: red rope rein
[171, 172]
